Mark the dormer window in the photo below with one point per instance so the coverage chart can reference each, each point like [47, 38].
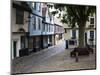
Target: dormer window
[34, 5]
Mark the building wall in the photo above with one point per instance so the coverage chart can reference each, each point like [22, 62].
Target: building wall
[47, 26]
[15, 26]
[68, 34]
[15, 33]
[36, 31]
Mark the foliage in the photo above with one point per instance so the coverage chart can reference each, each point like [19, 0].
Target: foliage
[73, 14]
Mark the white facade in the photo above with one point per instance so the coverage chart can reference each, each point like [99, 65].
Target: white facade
[88, 29]
[16, 33]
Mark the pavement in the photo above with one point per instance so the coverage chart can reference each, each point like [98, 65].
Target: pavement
[55, 58]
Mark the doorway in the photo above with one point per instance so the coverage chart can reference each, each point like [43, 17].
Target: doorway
[85, 38]
[14, 49]
[22, 42]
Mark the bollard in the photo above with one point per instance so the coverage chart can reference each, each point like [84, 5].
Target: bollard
[76, 57]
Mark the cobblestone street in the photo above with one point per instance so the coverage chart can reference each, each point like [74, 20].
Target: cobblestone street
[54, 58]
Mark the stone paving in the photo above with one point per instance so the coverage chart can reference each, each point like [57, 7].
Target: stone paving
[55, 58]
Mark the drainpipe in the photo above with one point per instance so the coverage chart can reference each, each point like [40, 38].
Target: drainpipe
[29, 29]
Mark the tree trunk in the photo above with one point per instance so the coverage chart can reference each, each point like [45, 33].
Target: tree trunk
[81, 35]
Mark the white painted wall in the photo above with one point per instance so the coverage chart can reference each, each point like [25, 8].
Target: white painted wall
[68, 35]
[15, 27]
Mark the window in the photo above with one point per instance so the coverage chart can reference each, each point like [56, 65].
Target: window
[43, 26]
[58, 28]
[44, 18]
[19, 16]
[34, 5]
[73, 34]
[39, 23]
[34, 23]
[55, 29]
[49, 27]
[92, 34]
[39, 7]
[65, 30]
[91, 26]
[91, 20]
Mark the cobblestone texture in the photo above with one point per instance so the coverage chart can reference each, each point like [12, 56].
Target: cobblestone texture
[55, 58]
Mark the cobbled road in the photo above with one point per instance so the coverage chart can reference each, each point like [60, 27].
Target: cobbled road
[55, 58]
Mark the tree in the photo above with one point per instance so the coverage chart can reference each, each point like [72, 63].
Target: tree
[75, 14]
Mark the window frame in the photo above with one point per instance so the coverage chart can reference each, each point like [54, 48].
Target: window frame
[19, 16]
[74, 34]
[92, 34]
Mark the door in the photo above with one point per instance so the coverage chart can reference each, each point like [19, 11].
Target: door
[85, 38]
[22, 41]
[14, 48]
